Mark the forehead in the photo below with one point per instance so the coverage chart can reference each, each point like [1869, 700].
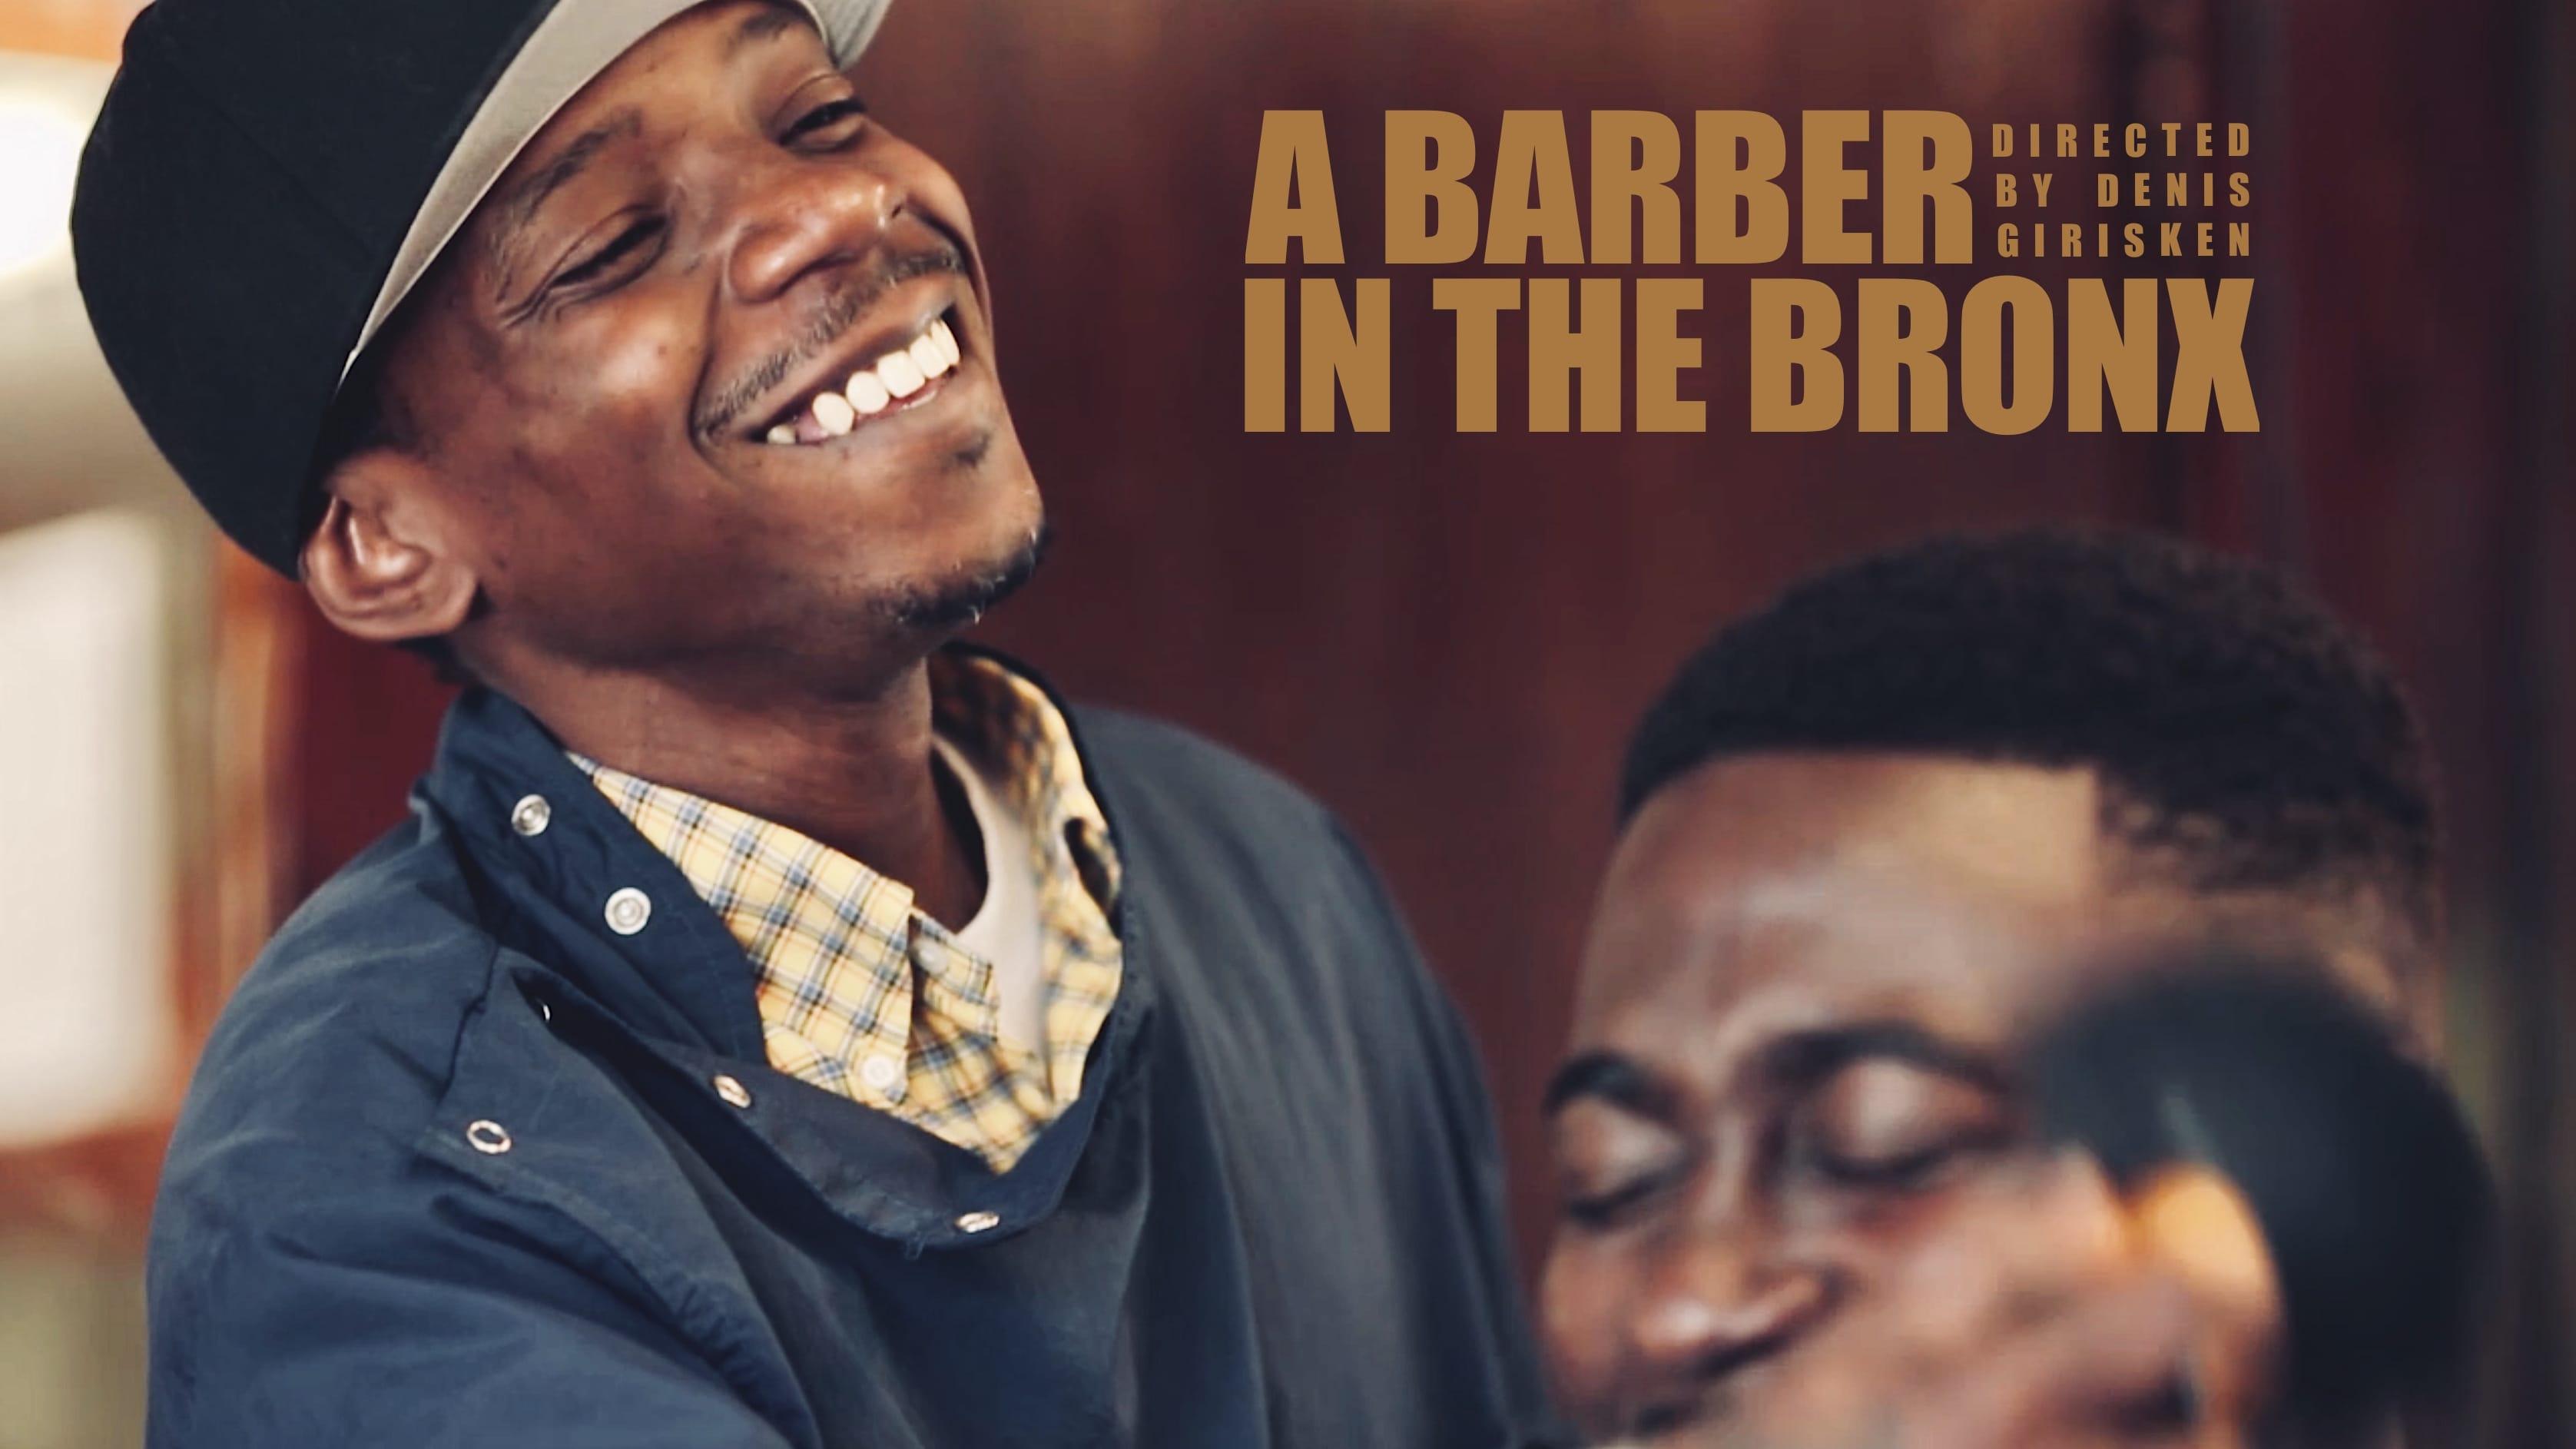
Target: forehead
[705, 37]
[670, 69]
[1792, 890]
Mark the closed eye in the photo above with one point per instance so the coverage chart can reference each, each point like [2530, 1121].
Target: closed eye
[1608, 1208]
[825, 118]
[598, 264]
[1894, 1125]
[1911, 1170]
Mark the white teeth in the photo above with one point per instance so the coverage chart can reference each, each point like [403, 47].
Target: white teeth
[867, 394]
[928, 355]
[900, 375]
[870, 390]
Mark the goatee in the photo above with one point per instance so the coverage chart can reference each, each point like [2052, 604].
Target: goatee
[961, 602]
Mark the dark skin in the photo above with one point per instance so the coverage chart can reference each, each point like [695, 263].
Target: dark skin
[1799, 1205]
[580, 498]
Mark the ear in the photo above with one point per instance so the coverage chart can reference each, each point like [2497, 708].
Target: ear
[2386, 944]
[2400, 979]
[2422, 1007]
[384, 565]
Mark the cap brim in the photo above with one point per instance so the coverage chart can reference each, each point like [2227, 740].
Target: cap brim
[575, 42]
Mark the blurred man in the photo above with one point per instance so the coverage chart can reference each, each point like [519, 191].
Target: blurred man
[1870, 834]
[773, 1026]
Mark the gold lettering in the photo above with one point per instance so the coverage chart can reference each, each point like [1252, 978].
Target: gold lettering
[1294, 158]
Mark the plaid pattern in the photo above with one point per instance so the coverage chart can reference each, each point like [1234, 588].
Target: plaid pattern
[862, 994]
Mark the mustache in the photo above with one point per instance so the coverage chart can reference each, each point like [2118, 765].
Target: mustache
[833, 316]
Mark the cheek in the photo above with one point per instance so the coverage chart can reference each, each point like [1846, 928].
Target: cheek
[584, 449]
[646, 366]
[1939, 1260]
[925, 180]
[1586, 1296]
[616, 386]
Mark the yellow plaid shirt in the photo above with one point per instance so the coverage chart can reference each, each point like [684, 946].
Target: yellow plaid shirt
[862, 994]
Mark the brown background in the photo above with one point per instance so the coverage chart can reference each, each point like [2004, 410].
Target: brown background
[1446, 637]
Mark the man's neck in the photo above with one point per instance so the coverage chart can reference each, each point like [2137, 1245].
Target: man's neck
[855, 774]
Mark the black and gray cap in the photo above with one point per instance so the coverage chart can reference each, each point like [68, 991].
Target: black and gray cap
[267, 181]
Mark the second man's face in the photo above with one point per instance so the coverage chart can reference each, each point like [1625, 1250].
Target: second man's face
[1788, 1105]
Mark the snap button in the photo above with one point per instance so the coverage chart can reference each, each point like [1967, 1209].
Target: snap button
[628, 910]
[530, 815]
[733, 1091]
[882, 1072]
[488, 1136]
[979, 1222]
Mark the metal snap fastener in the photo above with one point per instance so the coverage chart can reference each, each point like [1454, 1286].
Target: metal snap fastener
[979, 1222]
[488, 1136]
[531, 814]
[732, 1090]
[628, 910]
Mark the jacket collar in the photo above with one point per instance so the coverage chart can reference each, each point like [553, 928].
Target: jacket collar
[556, 872]
[558, 862]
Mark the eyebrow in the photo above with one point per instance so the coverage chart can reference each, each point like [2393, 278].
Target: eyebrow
[1606, 1076]
[769, 24]
[520, 203]
[1798, 1060]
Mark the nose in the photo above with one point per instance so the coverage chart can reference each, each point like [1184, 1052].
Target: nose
[803, 216]
[1719, 1299]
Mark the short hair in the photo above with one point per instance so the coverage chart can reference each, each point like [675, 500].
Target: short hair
[2234, 723]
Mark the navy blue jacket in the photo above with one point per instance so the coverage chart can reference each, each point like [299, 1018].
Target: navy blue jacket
[453, 1169]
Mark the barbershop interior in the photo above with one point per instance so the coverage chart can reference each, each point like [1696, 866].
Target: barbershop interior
[1445, 637]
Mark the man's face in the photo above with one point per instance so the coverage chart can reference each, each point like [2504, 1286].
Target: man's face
[1789, 1069]
[632, 376]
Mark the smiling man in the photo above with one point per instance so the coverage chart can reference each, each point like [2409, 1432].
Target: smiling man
[775, 1025]
[1874, 834]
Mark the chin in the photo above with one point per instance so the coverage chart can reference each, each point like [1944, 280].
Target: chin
[958, 597]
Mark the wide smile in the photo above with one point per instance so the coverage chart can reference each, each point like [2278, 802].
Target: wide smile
[888, 377]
